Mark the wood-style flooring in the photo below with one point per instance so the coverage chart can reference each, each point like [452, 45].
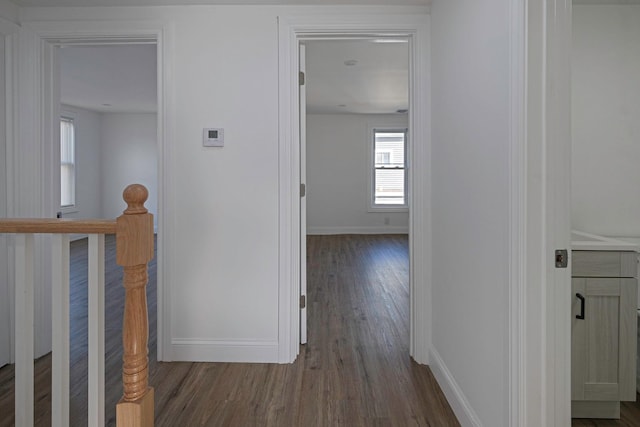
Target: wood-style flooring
[354, 371]
[629, 417]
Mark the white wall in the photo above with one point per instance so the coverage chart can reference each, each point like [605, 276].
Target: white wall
[128, 155]
[606, 119]
[220, 204]
[8, 11]
[337, 175]
[87, 128]
[470, 164]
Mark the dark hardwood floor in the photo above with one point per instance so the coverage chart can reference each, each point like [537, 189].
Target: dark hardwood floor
[354, 371]
[629, 417]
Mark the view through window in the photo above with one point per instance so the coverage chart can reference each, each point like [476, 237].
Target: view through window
[389, 177]
[67, 163]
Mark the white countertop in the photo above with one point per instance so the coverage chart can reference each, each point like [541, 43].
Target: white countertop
[581, 241]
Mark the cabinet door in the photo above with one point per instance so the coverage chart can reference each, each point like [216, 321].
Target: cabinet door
[602, 344]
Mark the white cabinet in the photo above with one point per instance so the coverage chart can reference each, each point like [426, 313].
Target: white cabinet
[603, 332]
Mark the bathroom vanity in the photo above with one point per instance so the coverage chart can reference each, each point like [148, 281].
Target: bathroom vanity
[603, 325]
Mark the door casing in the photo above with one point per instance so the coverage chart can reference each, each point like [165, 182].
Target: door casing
[292, 29]
[37, 46]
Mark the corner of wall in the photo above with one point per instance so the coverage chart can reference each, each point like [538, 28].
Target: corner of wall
[454, 394]
[9, 12]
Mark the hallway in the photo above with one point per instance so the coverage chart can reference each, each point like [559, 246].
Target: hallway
[354, 371]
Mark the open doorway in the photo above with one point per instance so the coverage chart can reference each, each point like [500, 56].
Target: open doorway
[108, 140]
[292, 31]
[354, 157]
[108, 98]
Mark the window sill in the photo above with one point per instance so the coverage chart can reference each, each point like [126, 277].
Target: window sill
[390, 208]
[69, 210]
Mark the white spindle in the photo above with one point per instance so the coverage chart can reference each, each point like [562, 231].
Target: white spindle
[96, 330]
[24, 332]
[60, 331]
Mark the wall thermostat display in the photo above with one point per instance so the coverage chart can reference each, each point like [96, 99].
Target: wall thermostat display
[213, 137]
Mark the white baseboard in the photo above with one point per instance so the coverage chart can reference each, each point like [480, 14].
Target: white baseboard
[386, 229]
[190, 350]
[456, 398]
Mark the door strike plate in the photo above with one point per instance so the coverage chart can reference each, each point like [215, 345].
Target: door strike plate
[562, 258]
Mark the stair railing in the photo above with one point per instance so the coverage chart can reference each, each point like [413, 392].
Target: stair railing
[134, 250]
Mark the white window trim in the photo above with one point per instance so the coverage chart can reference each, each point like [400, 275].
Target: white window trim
[74, 207]
[371, 156]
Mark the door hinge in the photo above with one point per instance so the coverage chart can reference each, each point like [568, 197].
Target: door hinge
[303, 190]
[303, 301]
[562, 258]
[301, 78]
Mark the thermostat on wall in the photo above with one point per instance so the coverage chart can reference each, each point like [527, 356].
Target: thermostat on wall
[213, 137]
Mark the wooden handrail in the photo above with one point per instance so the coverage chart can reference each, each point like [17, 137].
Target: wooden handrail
[58, 226]
[134, 249]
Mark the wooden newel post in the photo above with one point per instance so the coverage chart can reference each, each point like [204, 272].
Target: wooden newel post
[134, 249]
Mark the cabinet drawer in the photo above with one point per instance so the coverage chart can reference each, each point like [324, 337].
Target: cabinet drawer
[603, 264]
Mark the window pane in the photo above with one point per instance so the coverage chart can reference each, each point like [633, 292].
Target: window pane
[67, 185]
[67, 163]
[389, 168]
[389, 189]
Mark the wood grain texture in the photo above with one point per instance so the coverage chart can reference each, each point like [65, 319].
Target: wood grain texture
[134, 249]
[58, 226]
[603, 264]
[354, 371]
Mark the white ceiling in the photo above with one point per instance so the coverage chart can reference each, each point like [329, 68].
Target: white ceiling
[606, 1]
[124, 77]
[55, 3]
[377, 83]
[109, 78]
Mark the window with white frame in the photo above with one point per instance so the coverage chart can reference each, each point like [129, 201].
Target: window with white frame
[388, 170]
[67, 163]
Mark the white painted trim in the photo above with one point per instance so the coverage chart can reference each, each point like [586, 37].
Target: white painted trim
[386, 229]
[166, 188]
[545, 369]
[9, 31]
[557, 227]
[372, 127]
[95, 328]
[204, 350]
[291, 29]
[37, 34]
[454, 394]
[24, 334]
[517, 309]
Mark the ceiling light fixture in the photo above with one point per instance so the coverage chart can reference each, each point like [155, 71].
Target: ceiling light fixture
[390, 40]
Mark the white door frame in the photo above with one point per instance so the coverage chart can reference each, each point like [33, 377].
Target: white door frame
[544, 348]
[37, 110]
[8, 31]
[302, 66]
[291, 30]
[557, 107]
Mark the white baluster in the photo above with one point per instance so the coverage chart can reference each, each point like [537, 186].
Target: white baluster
[24, 330]
[60, 331]
[96, 330]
